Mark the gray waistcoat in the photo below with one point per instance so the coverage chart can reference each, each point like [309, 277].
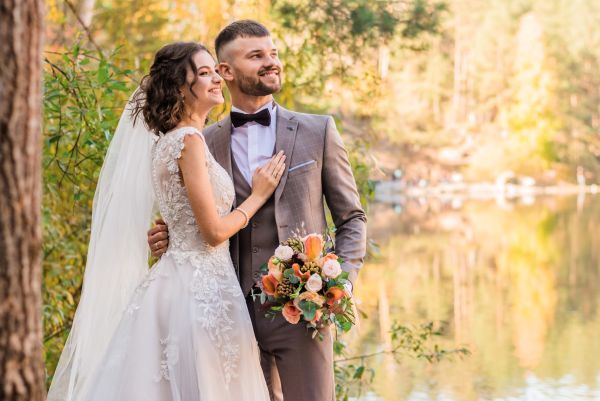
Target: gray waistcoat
[257, 242]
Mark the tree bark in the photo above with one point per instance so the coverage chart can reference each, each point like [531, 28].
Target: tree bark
[21, 366]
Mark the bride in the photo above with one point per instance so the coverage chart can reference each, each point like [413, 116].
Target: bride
[180, 332]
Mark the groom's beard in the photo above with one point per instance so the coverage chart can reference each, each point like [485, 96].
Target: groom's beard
[253, 86]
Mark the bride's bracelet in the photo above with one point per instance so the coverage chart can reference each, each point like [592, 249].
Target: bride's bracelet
[243, 212]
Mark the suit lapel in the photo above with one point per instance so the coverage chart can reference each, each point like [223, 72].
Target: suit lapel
[222, 145]
[286, 129]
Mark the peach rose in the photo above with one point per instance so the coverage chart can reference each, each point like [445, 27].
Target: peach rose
[329, 256]
[333, 295]
[332, 268]
[311, 297]
[313, 245]
[269, 284]
[314, 283]
[291, 313]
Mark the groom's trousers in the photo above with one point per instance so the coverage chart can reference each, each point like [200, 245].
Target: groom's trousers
[304, 364]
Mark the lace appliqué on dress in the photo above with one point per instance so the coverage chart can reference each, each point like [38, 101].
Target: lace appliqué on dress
[170, 358]
[212, 293]
[214, 282]
[140, 290]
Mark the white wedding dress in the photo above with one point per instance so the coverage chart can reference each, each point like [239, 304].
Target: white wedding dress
[186, 334]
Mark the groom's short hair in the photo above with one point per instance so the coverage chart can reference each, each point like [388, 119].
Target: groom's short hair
[239, 29]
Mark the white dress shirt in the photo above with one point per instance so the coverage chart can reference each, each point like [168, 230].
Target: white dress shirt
[253, 144]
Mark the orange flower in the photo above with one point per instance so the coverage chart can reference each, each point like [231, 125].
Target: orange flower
[333, 295]
[276, 273]
[275, 268]
[299, 274]
[269, 284]
[313, 245]
[291, 313]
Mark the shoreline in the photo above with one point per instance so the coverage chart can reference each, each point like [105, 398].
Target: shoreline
[397, 191]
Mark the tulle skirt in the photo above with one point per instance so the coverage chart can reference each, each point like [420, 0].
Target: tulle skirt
[185, 336]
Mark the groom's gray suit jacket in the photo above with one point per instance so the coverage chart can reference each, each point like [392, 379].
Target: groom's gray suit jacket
[317, 168]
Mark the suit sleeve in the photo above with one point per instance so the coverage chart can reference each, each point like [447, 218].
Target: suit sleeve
[341, 195]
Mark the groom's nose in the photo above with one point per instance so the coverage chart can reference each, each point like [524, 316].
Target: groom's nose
[272, 61]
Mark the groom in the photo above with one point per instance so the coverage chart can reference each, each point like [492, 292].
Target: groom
[317, 167]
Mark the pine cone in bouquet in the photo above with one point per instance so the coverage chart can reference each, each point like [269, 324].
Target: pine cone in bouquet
[310, 267]
[285, 289]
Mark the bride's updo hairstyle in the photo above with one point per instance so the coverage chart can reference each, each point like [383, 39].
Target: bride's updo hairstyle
[159, 99]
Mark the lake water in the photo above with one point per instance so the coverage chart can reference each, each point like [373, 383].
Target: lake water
[518, 283]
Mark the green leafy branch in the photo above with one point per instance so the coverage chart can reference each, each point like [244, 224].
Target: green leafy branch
[353, 373]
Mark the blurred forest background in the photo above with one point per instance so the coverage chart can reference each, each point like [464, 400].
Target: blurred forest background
[434, 88]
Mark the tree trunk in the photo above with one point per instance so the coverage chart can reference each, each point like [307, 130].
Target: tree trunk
[460, 76]
[86, 12]
[21, 366]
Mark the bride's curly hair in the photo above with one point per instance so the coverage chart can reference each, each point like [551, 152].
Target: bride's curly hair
[159, 99]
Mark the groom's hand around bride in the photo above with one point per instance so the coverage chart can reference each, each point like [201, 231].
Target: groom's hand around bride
[158, 238]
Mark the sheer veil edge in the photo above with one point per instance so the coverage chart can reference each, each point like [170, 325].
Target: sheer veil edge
[117, 257]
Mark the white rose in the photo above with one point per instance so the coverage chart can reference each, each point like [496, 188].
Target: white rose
[284, 252]
[332, 268]
[314, 283]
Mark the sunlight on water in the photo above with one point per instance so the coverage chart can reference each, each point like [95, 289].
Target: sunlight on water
[519, 285]
[565, 389]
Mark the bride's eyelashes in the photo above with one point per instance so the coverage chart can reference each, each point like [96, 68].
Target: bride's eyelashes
[203, 73]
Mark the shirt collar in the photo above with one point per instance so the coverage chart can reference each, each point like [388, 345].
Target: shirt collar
[270, 105]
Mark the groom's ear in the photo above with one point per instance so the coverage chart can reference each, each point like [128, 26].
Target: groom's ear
[225, 71]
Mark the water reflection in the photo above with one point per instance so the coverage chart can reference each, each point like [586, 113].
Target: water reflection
[518, 283]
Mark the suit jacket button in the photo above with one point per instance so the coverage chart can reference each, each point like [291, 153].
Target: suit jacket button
[255, 250]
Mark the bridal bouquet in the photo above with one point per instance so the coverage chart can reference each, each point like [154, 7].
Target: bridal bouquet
[303, 281]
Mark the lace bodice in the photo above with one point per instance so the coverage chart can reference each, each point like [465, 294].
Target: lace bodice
[171, 195]
[213, 284]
